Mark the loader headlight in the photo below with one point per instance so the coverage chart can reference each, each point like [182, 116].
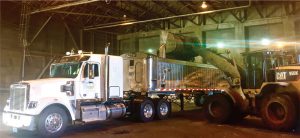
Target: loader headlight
[32, 104]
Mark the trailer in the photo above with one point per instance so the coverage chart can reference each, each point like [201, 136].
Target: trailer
[154, 75]
[87, 87]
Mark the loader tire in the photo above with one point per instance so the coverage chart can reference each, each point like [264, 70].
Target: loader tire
[279, 112]
[218, 108]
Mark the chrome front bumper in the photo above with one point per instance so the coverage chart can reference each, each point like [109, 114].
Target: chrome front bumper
[19, 121]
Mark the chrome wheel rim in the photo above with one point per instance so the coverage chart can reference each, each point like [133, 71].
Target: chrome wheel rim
[148, 111]
[163, 109]
[53, 122]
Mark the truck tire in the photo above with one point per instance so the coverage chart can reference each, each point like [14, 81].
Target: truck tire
[146, 111]
[279, 112]
[199, 99]
[218, 108]
[163, 109]
[52, 122]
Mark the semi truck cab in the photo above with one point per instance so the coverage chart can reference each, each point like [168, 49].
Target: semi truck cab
[78, 88]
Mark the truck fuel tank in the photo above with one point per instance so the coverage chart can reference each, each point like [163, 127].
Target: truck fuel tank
[98, 112]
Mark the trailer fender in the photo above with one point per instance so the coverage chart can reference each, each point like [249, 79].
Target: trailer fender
[136, 101]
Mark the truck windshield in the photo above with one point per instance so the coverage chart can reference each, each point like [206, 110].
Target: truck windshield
[65, 70]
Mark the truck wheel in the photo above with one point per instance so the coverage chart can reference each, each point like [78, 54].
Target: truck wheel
[163, 109]
[146, 111]
[52, 122]
[217, 108]
[279, 112]
[199, 99]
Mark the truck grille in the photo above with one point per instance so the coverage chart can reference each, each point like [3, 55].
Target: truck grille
[19, 96]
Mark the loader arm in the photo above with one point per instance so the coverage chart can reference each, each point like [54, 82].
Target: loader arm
[230, 69]
[183, 47]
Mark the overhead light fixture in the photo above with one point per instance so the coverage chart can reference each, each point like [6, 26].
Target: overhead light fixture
[280, 44]
[265, 42]
[150, 50]
[203, 5]
[220, 45]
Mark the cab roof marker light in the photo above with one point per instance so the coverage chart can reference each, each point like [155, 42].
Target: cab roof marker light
[68, 53]
[80, 52]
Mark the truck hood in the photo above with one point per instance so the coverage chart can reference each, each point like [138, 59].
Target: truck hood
[49, 87]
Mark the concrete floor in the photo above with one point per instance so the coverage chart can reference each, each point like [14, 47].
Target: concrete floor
[190, 123]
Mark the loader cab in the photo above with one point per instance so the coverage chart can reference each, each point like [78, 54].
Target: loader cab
[260, 66]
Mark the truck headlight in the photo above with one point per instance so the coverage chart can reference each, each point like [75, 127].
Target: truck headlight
[32, 104]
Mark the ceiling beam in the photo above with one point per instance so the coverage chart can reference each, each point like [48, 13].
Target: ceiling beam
[152, 13]
[167, 18]
[190, 7]
[113, 7]
[170, 10]
[69, 4]
[86, 14]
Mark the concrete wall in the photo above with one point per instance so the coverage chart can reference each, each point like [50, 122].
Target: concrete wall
[275, 25]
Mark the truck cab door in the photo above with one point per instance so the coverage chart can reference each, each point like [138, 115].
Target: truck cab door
[90, 88]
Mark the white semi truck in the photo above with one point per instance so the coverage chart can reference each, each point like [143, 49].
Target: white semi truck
[88, 87]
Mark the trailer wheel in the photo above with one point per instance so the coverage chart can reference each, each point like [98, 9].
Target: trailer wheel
[163, 109]
[218, 108]
[52, 122]
[199, 99]
[279, 112]
[146, 111]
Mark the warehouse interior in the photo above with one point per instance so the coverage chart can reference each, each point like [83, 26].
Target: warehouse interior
[34, 33]
[51, 28]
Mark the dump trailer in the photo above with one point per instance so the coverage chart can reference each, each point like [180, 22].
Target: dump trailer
[87, 87]
[155, 75]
